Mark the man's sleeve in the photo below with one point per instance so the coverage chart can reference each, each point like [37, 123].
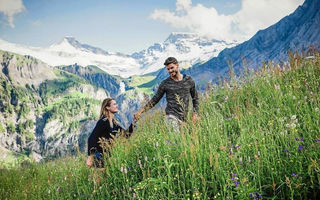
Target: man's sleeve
[156, 98]
[194, 96]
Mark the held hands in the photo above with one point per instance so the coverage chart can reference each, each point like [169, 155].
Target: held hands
[194, 118]
[89, 161]
[136, 116]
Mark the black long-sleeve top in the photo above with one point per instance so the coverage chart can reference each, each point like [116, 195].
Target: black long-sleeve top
[177, 94]
[103, 130]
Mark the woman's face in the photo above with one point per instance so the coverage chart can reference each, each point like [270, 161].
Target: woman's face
[113, 108]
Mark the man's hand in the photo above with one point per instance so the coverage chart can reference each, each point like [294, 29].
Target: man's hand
[194, 118]
[136, 115]
[89, 161]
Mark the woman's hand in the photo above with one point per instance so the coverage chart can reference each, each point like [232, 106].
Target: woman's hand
[90, 161]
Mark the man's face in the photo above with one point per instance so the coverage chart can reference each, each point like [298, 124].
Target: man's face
[172, 69]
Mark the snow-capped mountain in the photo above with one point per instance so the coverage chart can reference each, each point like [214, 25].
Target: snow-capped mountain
[187, 47]
[69, 51]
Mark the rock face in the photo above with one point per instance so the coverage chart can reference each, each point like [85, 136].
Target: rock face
[22, 70]
[97, 77]
[297, 31]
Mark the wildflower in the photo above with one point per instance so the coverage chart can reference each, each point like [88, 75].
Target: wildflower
[293, 125]
[236, 183]
[300, 147]
[255, 195]
[121, 169]
[146, 158]
[277, 87]
[296, 139]
[294, 175]
[294, 97]
[317, 141]
[134, 195]
[231, 152]
[125, 170]
[293, 117]
[139, 162]
[301, 139]
[286, 150]
[288, 125]
[237, 147]
[156, 144]
[316, 109]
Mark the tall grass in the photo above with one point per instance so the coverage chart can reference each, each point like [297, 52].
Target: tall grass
[258, 137]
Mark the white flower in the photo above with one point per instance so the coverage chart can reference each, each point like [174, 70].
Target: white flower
[121, 169]
[293, 125]
[156, 144]
[294, 117]
[317, 109]
[294, 97]
[125, 170]
[288, 125]
[139, 162]
[146, 158]
[277, 87]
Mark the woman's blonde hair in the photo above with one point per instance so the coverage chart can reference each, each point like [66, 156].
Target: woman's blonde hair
[103, 111]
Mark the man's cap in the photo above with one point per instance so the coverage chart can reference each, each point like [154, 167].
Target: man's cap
[170, 60]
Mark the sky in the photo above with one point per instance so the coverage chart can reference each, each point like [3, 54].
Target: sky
[129, 26]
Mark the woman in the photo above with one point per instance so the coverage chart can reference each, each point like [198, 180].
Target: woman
[105, 130]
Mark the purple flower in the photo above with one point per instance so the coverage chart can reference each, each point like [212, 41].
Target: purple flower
[234, 174]
[296, 139]
[230, 152]
[236, 183]
[255, 195]
[300, 147]
[301, 139]
[317, 141]
[286, 150]
[237, 147]
[294, 175]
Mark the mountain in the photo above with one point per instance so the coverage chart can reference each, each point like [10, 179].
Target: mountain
[297, 31]
[69, 51]
[44, 111]
[49, 111]
[187, 47]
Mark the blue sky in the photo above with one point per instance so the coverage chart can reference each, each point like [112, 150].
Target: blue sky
[128, 26]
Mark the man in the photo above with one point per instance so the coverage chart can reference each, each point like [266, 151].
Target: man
[178, 89]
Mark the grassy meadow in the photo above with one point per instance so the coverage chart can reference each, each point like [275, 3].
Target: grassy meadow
[257, 137]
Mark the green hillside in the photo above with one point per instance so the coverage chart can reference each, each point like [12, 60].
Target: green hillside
[257, 138]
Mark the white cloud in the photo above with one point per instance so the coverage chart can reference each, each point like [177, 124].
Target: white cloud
[253, 16]
[9, 8]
